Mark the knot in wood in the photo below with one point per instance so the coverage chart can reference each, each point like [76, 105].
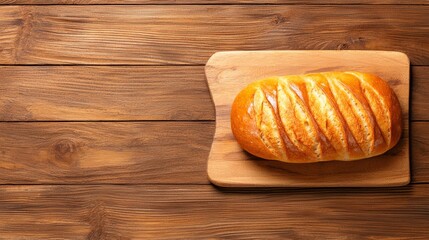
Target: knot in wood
[279, 19]
[65, 146]
[352, 43]
[65, 151]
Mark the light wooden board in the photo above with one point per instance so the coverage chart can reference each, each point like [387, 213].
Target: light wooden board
[229, 166]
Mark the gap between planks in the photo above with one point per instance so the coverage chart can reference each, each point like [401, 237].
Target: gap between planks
[315, 3]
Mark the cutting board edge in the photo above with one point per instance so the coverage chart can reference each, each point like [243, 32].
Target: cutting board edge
[400, 54]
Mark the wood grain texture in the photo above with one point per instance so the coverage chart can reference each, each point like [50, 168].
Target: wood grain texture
[83, 2]
[190, 34]
[230, 166]
[104, 152]
[29, 93]
[196, 212]
[159, 152]
[419, 142]
[420, 151]
[164, 152]
[420, 93]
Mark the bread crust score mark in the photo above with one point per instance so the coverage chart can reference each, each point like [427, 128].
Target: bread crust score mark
[317, 117]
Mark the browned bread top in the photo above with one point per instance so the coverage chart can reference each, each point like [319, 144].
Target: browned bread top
[317, 117]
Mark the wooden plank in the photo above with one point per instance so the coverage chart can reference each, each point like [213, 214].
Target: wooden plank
[163, 93]
[420, 151]
[190, 34]
[420, 93]
[111, 152]
[29, 93]
[83, 2]
[196, 212]
[104, 152]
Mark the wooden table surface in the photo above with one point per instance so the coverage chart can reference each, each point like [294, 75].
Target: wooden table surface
[107, 121]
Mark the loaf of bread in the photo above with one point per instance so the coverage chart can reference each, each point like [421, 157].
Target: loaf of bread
[317, 117]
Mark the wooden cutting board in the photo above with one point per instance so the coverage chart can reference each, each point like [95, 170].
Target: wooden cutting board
[230, 166]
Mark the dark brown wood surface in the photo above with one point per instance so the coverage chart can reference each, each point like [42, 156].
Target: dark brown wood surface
[104, 152]
[31, 93]
[204, 212]
[113, 152]
[190, 34]
[419, 93]
[119, 152]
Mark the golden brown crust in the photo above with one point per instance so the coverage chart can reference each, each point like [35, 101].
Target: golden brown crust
[317, 117]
